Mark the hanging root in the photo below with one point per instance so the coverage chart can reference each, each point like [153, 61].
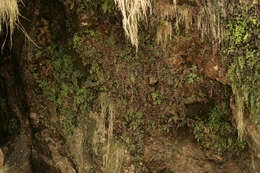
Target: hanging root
[8, 17]
[133, 11]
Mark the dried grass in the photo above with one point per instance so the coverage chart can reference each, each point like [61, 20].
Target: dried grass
[1, 158]
[239, 117]
[164, 32]
[9, 19]
[4, 170]
[9, 13]
[103, 141]
[132, 12]
[206, 16]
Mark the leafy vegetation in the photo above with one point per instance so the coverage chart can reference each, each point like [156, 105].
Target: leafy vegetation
[66, 87]
[218, 135]
[192, 75]
[91, 8]
[242, 53]
[151, 94]
[156, 90]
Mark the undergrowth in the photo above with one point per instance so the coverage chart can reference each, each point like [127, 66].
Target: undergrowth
[150, 93]
[66, 87]
[243, 56]
[216, 134]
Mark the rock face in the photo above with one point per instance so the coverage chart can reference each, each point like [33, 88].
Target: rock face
[91, 147]
[47, 155]
[41, 144]
[180, 154]
[19, 153]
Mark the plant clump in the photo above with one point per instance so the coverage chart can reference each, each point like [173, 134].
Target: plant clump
[206, 16]
[64, 86]
[241, 53]
[133, 11]
[9, 13]
[218, 135]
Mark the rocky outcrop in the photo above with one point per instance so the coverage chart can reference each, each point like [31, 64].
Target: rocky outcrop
[181, 154]
[18, 154]
[42, 145]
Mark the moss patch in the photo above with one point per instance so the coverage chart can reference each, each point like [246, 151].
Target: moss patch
[218, 135]
[242, 54]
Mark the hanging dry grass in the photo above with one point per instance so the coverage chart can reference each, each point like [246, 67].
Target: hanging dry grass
[164, 32]
[239, 117]
[9, 13]
[103, 142]
[9, 18]
[1, 160]
[206, 16]
[133, 11]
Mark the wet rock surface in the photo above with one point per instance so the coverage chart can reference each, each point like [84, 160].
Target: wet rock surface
[180, 154]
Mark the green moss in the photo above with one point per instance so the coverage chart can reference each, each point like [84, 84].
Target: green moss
[157, 98]
[192, 76]
[218, 135]
[64, 87]
[243, 55]
[94, 8]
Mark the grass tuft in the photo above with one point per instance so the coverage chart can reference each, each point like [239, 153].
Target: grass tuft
[9, 19]
[206, 16]
[133, 11]
[9, 13]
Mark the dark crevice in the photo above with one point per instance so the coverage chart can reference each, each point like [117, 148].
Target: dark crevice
[9, 122]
